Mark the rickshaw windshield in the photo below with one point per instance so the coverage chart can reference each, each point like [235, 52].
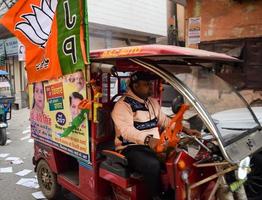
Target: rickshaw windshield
[228, 111]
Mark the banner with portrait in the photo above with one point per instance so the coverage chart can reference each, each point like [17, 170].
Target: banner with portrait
[54, 104]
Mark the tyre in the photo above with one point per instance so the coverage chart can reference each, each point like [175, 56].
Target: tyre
[3, 136]
[47, 181]
[253, 184]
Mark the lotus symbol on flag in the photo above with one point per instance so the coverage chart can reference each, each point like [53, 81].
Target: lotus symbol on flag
[37, 26]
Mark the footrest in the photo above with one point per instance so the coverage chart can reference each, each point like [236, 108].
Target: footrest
[115, 163]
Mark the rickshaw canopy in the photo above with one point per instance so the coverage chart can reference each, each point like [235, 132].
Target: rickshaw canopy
[160, 53]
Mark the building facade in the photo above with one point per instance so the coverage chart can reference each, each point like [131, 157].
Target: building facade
[123, 23]
[233, 27]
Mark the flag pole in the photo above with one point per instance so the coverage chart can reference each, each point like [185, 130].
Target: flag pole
[86, 39]
[86, 28]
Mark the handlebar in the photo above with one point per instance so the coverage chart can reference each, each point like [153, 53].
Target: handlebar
[169, 136]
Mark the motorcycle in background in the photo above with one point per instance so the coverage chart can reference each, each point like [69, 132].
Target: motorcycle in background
[6, 100]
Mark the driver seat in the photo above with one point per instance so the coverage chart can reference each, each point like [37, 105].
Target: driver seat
[115, 166]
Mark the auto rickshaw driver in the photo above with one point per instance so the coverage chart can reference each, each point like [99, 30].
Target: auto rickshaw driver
[137, 117]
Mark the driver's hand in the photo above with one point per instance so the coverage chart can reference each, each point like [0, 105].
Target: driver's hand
[184, 141]
[195, 133]
[153, 143]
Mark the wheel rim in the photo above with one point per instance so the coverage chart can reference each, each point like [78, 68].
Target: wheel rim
[46, 178]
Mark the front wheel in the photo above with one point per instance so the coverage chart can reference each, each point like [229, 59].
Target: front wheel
[254, 179]
[3, 136]
[47, 181]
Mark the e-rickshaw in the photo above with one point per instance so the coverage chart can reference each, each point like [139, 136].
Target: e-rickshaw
[6, 100]
[215, 166]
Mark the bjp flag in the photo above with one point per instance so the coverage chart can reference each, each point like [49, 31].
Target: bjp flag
[51, 33]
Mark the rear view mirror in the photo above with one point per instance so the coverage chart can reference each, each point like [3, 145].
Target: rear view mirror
[177, 102]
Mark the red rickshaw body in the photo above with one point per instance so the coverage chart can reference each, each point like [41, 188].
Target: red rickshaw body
[91, 180]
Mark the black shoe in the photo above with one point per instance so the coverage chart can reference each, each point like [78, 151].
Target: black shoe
[168, 195]
[156, 198]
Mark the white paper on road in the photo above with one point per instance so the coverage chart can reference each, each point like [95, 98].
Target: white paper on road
[28, 182]
[26, 131]
[24, 172]
[26, 137]
[8, 141]
[31, 140]
[6, 170]
[38, 195]
[13, 158]
[17, 162]
[3, 155]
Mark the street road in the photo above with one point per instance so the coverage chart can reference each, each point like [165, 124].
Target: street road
[21, 146]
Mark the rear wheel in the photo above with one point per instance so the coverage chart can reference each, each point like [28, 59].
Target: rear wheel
[3, 136]
[47, 181]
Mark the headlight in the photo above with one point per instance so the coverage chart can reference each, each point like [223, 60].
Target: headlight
[243, 169]
[185, 176]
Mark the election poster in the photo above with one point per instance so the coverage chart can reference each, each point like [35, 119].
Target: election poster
[54, 105]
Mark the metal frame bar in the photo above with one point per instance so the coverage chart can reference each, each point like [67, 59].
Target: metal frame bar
[185, 91]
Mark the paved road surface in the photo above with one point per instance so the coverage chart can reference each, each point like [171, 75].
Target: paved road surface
[21, 146]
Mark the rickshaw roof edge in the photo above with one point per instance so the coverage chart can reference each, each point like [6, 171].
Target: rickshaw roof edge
[158, 50]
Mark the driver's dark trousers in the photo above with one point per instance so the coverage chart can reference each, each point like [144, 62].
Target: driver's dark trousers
[144, 160]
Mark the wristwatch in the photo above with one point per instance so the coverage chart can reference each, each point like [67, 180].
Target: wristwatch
[147, 139]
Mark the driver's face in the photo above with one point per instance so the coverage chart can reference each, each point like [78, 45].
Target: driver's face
[144, 89]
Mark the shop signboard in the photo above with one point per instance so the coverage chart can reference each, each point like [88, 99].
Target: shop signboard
[11, 46]
[2, 54]
[2, 48]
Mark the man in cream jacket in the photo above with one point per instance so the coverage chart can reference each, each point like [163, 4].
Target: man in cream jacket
[137, 118]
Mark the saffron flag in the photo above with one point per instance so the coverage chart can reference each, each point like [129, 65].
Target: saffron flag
[51, 31]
